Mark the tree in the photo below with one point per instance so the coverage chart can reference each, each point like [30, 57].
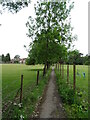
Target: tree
[16, 58]
[14, 6]
[87, 59]
[2, 57]
[50, 31]
[30, 61]
[75, 57]
[8, 57]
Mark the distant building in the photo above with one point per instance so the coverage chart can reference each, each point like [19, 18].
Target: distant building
[21, 61]
[12, 61]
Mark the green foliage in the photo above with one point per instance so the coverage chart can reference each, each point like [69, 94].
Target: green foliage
[38, 53]
[75, 103]
[2, 57]
[50, 32]
[30, 61]
[76, 57]
[16, 61]
[87, 63]
[16, 58]
[14, 6]
[87, 60]
[6, 59]
[66, 93]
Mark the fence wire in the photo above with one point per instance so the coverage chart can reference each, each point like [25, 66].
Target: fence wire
[8, 102]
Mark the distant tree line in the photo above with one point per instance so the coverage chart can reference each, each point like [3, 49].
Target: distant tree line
[72, 57]
[77, 58]
[6, 59]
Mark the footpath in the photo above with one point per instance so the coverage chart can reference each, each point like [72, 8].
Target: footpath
[51, 106]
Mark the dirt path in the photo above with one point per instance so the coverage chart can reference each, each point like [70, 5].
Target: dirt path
[52, 105]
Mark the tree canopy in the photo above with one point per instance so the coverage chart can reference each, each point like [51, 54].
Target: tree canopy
[14, 6]
[51, 32]
[6, 59]
[77, 58]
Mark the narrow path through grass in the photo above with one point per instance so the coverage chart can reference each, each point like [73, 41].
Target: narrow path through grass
[52, 105]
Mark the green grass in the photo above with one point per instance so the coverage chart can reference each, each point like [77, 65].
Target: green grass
[11, 74]
[81, 82]
[78, 108]
[11, 77]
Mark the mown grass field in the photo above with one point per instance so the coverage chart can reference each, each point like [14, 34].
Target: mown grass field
[81, 82]
[78, 108]
[11, 76]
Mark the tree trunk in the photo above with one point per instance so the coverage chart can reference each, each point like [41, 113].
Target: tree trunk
[44, 70]
[47, 65]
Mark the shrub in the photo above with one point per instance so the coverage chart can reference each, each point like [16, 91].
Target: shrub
[30, 61]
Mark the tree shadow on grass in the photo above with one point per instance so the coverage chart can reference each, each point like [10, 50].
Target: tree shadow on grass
[34, 69]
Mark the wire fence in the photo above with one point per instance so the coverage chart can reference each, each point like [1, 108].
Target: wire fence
[73, 74]
[18, 94]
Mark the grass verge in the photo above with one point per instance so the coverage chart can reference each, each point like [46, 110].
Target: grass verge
[74, 103]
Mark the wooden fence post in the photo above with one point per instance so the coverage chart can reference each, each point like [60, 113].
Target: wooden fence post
[21, 92]
[37, 77]
[74, 77]
[63, 71]
[68, 73]
[58, 66]
[60, 69]
[43, 71]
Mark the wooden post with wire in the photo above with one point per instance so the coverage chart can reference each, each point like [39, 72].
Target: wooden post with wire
[21, 90]
[58, 66]
[68, 73]
[60, 69]
[37, 77]
[44, 70]
[74, 77]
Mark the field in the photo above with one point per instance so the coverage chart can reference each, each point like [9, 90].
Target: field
[11, 76]
[77, 106]
[81, 82]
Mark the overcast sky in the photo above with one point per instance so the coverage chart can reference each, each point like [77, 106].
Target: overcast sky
[13, 30]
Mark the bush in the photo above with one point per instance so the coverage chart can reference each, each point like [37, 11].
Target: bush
[30, 61]
[66, 93]
[87, 63]
[16, 61]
